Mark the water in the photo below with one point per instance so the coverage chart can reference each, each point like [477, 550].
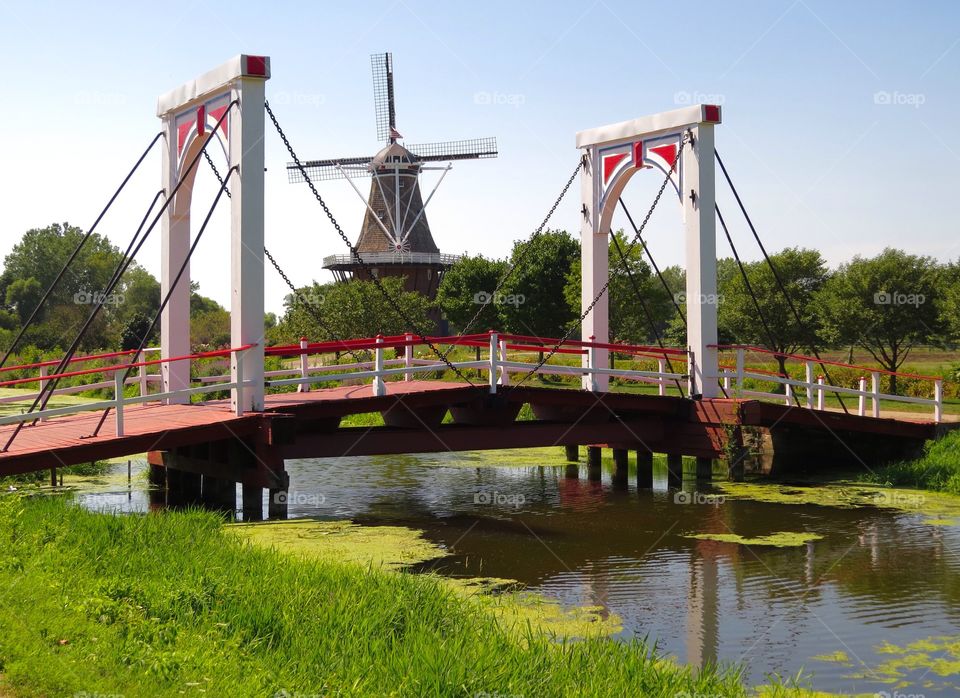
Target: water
[875, 576]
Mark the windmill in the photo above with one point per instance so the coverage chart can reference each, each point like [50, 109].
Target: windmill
[395, 238]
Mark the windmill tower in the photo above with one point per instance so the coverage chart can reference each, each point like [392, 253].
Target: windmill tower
[395, 238]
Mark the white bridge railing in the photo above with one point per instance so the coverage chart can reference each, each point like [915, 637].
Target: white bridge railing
[813, 387]
[498, 355]
[497, 363]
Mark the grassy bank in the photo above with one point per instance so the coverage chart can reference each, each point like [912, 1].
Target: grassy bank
[938, 469]
[172, 603]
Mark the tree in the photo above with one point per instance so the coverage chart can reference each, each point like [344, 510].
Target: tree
[950, 300]
[353, 309]
[629, 322]
[533, 300]
[33, 264]
[885, 304]
[467, 287]
[803, 273]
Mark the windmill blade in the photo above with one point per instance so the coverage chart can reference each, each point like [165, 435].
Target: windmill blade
[320, 170]
[381, 65]
[472, 149]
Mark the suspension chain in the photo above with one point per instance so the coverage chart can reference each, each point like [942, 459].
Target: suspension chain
[356, 254]
[525, 250]
[298, 296]
[574, 325]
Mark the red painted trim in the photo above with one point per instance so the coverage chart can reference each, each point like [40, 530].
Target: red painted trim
[610, 163]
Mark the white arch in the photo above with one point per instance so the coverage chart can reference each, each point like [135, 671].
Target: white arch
[612, 155]
[188, 114]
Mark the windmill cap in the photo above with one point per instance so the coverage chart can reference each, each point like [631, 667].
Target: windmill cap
[394, 150]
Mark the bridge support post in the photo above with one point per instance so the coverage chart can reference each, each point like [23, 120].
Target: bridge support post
[277, 502]
[594, 463]
[611, 155]
[225, 104]
[674, 469]
[572, 471]
[183, 488]
[704, 470]
[218, 493]
[644, 468]
[572, 453]
[252, 502]
[620, 456]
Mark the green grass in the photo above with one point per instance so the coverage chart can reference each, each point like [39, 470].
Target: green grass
[166, 604]
[938, 469]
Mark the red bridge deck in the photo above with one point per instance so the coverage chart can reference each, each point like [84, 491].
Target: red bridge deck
[296, 425]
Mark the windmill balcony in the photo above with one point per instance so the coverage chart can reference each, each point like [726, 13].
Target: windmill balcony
[391, 258]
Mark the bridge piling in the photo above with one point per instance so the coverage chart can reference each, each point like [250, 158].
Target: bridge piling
[644, 468]
[674, 469]
[183, 488]
[252, 499]
[594, 460]
[704, 471]
[620, 456]
[572, 452]
[219, 493]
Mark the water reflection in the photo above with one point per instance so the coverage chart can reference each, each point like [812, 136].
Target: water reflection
[875, 575]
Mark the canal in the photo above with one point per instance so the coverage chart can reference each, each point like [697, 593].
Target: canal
[867, 597]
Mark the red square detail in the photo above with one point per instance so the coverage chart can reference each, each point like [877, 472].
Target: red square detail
[711, 113]
[256, 65]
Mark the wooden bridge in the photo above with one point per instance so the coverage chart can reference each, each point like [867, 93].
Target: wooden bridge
[210, 442]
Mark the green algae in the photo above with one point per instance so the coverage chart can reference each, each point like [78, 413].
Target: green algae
[838, 657]
[780, 539]
[397, 547]
[846, 495]
[392, 547]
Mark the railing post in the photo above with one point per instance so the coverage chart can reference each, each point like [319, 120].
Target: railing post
[820, 392]
[938, 400]
[118, 399]
[408, 357]
[43, 383]
[661, 384]
[787, 394]
[238, 386]
[740, 372]
[142, 374]
[591, 367]
[875, 389]
[862, 398]
[808, 380]
[304, 366]
[494, 348]
[379, 387]
[504, 373]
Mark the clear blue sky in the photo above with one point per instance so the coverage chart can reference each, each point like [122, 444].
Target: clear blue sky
[819, 161]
